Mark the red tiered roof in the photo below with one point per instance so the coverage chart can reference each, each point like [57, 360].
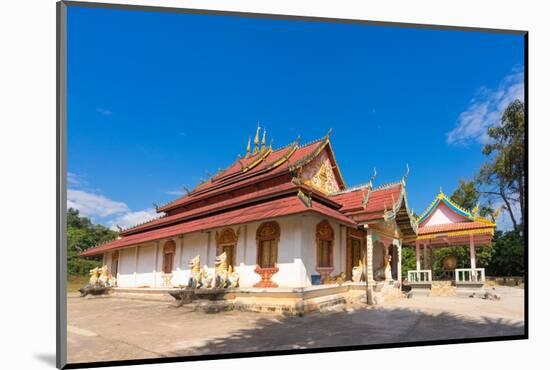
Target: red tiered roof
[285, 206]
[257, 188]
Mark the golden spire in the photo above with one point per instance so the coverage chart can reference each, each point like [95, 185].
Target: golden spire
[248, 148]
[257, 139]
[263, 142]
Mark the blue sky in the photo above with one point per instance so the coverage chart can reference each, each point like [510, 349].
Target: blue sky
[155, 100]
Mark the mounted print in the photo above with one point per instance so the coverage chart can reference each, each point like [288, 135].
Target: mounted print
[237, 184]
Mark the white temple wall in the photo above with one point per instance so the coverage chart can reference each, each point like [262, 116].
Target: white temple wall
[297, 255]
[146, 271]
[193, 245]
[126, 267]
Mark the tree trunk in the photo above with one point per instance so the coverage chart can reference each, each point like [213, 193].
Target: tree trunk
[509, 208]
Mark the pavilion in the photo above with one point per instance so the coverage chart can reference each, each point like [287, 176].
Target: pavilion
[446, 224]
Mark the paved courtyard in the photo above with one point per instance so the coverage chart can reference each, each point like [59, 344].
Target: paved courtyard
[118, 329]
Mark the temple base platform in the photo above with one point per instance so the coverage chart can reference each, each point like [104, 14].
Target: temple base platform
[288, 301]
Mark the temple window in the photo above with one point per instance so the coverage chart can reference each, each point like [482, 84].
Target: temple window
[325, 242]
[168, 253]
[226, 241]
[267, 238]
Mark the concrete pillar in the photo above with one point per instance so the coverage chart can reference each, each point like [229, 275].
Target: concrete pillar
[369, 245]
[426, 267]
[399, 246]
[417, 255]
[472, 252]
[136, 257]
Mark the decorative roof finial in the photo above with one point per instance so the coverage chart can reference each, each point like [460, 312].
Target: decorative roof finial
[407, 170]
[257, 139]
[263, 142]
[373, 176]
[248, 148]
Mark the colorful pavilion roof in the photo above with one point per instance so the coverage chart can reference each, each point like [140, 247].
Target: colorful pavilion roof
[452, 224]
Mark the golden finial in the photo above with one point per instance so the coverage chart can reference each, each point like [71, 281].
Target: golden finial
[248, 148]
[476, 209]
[257, 139]
[263, 142]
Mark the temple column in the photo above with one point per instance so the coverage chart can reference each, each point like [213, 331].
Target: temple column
[472, 252]
[417, 255]
[181, 261]
[157, 246]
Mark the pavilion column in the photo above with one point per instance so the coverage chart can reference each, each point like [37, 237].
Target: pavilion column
[472, 252]
[417, 255]
[426, 267]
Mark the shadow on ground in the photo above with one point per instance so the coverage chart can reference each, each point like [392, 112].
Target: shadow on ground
[358, 327]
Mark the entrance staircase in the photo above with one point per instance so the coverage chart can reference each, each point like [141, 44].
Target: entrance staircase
[443, 288]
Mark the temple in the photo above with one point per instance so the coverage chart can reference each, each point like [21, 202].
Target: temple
[284, 219]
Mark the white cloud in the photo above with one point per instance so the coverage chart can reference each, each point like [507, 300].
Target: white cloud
[72, 179]
[90, 204]
[175, 192]
[110, 212]
[130, 219]
[103, 111]
[485, 110]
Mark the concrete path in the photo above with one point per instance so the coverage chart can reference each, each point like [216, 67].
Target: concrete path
[118, 329]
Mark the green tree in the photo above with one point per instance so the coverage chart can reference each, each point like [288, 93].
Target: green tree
[508, 250]
[81, 235]
[503, 177]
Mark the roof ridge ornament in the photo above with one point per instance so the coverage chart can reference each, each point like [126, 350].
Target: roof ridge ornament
[370, 183]
[257, 139]
[263, 142]
[406, 174]
[248, 148]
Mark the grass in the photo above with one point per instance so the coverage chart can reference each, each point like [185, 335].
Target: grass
[75, 282]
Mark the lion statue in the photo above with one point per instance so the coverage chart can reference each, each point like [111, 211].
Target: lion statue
[357, 272]
[94, 276]
[233, 277]
[195, 280]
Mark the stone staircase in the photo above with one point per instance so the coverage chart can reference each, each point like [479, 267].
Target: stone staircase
[443, 288]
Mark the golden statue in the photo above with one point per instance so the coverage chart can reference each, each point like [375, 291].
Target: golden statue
[94, 276]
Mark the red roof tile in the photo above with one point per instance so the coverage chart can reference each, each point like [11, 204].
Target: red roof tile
[219, 206]
[257, 212]
[378, 200]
